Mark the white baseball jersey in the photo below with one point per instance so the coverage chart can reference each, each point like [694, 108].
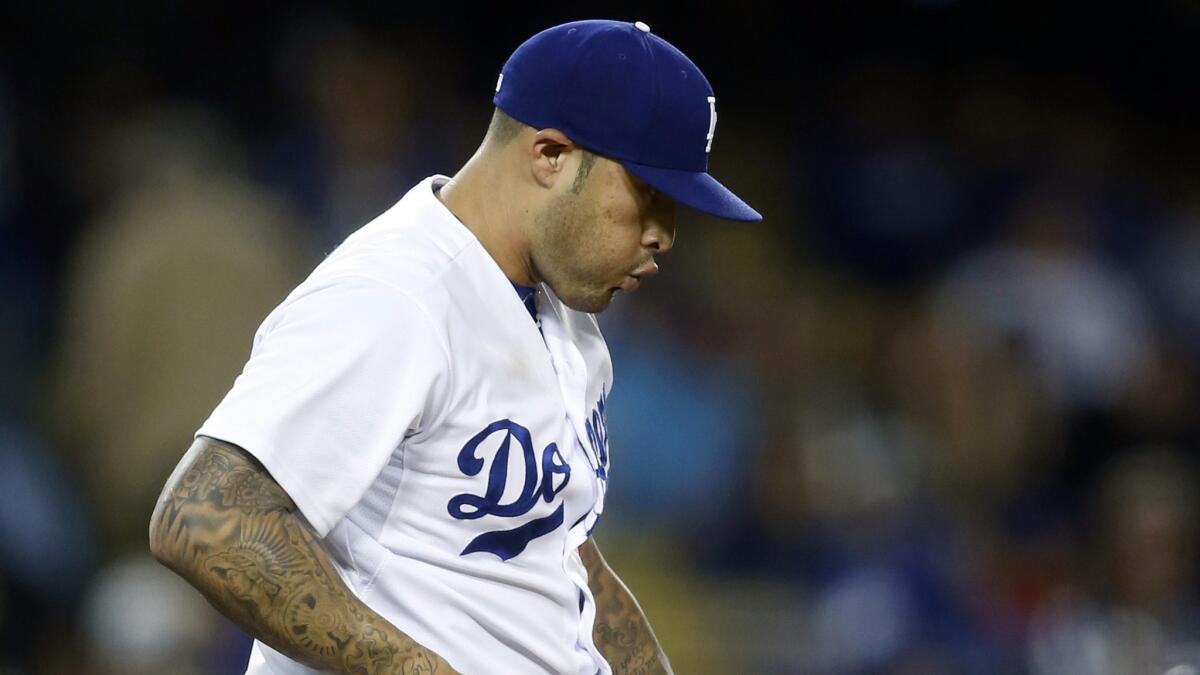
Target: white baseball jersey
[451, 456]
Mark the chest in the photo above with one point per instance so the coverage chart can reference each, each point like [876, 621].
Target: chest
[518, 457]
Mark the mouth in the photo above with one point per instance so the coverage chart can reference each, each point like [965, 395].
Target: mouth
[633, 280]
[649, 269]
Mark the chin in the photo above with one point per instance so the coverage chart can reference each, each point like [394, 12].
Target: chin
[592, 304]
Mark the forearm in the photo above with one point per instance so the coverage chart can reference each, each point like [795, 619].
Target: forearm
[621, 631]
[224, 525]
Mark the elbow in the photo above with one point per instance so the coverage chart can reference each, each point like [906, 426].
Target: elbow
[156, 541]
[165, 531]
[160, 542]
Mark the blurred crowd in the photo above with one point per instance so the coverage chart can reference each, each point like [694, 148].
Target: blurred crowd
[937, 414]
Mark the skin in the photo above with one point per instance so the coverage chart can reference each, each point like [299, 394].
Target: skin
[546, 212]
[586, 239]
[621, 632]
[227, 527]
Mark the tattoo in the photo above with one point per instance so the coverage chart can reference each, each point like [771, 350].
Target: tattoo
[228, 528]
[621, 631]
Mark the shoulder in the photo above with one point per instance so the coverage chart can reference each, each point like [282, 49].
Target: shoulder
[352, 313]
[410, 247]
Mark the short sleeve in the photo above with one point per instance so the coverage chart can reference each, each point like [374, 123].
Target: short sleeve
[339, 374]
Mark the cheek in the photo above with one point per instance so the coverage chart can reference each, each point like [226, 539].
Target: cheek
[620, 224]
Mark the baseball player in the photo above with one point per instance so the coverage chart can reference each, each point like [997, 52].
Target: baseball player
[405, 475]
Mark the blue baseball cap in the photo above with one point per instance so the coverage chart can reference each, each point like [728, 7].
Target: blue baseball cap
[621, 91]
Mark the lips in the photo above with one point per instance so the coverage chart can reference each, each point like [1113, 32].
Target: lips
[647, 270]
[634, 279]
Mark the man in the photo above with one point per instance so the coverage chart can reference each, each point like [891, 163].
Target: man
[405, 476]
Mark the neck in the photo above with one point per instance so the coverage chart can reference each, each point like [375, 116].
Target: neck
[486, 200]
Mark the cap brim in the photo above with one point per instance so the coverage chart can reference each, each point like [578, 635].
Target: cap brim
[696, 189]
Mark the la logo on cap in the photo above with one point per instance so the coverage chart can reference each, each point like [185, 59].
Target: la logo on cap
[712, 120]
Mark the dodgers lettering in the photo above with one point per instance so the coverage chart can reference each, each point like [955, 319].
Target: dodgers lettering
[597, 431]
[507, 544]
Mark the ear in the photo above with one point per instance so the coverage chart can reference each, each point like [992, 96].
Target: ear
[549, 150]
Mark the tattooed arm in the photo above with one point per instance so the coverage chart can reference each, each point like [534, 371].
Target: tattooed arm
[227, 527]
[621, 632]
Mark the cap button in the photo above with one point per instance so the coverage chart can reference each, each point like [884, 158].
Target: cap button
[642, 27]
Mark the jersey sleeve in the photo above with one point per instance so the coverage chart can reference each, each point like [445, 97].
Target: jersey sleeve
[338, 376]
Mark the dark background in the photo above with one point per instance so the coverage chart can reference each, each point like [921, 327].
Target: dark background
[937, 414]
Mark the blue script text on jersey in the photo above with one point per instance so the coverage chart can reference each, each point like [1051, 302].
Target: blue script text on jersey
[507, 544]
[597, 431]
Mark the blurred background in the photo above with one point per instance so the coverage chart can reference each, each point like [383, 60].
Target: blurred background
[937, 414]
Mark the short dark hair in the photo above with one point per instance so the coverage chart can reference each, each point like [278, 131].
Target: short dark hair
[504, 128]
[586, 162]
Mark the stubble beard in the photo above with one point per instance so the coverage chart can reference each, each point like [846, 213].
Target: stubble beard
[559, 253]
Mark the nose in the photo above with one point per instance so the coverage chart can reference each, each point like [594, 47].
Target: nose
[659, 232]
